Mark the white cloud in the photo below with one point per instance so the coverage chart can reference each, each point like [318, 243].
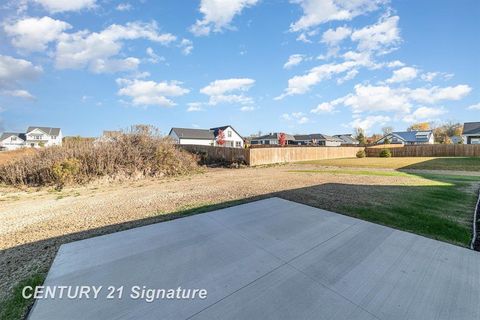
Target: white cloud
[424, 114]
[435, 94]
[34, 34]
[302, 84]
[124, 7]
[153, 57]
[144, 93]
[368, 98]
[298, 117]
[293, 60]
[403, 74]
[18, 94]
[382, 37]
[247, 108]
[194, 107]
[316, 12]
[429, 76]
[218, 14]
[55, 6]
[369, 121]
[474, 107]
[15, 71]
[327, 107]
[114, 65]
[349, 76]
[229, 91]
[96, 51]
[333, 37]
[306, 35]
[395, 64]
[187, 46]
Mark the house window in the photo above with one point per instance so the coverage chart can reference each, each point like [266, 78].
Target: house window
[238, 144]
[54, 137]
[14, 139]
[229, 133]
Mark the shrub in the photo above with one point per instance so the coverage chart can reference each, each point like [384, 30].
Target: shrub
[138, 152]
[361, 154]
[65, 171]
[385, 153]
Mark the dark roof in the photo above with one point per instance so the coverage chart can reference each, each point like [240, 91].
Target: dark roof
[215, 130]
[412, 136]
[316, 136]
[347, 138]
[274, 135]
[187, 133]
[47, 130]
[6, 135]
[471, 128]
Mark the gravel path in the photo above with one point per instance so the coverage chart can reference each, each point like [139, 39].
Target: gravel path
[35, 223]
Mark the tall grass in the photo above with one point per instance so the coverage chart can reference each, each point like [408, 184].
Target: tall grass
[138, 152]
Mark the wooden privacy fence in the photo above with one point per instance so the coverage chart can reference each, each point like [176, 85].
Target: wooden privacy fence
[428, 150]
[294, 154]
[263, 156]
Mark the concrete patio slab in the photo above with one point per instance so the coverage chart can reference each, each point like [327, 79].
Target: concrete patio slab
[269, 259]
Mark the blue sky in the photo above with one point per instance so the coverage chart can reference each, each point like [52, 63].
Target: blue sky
[300, 66]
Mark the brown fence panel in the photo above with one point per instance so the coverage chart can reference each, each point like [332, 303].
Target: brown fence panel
[428, 150]
[262, 156]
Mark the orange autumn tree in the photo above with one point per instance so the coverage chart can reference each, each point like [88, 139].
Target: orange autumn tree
[220, 137]
[421, 126]
[282, 139]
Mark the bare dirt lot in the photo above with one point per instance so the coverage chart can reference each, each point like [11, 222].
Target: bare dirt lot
[36, 222]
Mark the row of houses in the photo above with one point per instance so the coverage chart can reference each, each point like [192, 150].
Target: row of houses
[231, 138]
[305, 139]
[35, 137]
[227, 136]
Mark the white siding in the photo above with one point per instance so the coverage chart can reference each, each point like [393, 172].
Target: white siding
[232, 139]
[12, 143]
[37, 137]
[174, 136]
[332, 143]
[199, 142]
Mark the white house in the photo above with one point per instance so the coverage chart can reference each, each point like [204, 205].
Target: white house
[35, 137]
[43, 137]
[317, 139]
[12, 141]
[207, 137]
[409, 137]
[471, 133]
[273, 138]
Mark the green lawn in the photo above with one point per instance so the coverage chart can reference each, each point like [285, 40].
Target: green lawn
[438, 206]
[424, 163]
[16, 307]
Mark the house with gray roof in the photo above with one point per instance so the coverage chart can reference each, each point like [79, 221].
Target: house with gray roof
[408, 137]
[208, 137]
[471, 133]
[35, 137]
[272, 138]
[317, 139]
[12, 141]
[347, 139]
